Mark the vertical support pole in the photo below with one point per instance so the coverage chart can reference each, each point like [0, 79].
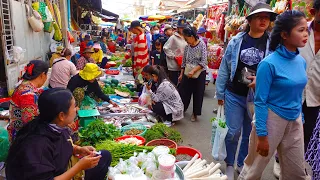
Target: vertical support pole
[64, 21]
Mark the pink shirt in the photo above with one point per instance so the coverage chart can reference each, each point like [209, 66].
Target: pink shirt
[62, 72]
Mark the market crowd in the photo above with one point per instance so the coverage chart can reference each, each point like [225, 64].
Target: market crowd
[281, 67]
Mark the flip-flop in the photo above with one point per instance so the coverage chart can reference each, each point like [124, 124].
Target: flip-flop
[193, 118]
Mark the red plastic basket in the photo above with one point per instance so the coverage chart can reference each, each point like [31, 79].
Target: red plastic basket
[163, 142]
[126, 137]
[188, 151]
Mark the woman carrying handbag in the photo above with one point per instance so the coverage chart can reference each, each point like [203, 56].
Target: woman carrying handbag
[193, 72]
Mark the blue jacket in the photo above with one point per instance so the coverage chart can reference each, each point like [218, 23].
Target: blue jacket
[229, 64]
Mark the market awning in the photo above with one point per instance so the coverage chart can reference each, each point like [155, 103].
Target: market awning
[96, 6]
[195, 4]
[91, 4]
[109, 13]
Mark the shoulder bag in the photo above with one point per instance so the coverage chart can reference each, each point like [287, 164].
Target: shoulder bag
[190, 67]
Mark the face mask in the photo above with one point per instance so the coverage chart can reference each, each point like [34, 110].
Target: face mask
[156, 32]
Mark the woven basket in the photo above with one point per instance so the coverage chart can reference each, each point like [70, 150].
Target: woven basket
[163, 142]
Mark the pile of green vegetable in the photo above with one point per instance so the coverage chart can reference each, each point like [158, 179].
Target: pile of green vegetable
[161, 131]
[128, 63]
[98, 131]
[123, 151]
[111, 85]
[116, 58]
[221, 123]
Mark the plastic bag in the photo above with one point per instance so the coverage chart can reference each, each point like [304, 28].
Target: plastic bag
[145, 98]
[4, 144]
[48, 14]
[219, 151]
[250, 103]
[149, 167]
[70, 37]
[215, 120]
[88, 103]
[18, 53]
[48, 27]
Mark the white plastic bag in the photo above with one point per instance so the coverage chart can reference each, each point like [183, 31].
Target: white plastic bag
[49, 16]
[215, 120]
[18, 53]
[145, 98]
[219, 151]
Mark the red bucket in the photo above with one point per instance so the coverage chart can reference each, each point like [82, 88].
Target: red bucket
[188, 151]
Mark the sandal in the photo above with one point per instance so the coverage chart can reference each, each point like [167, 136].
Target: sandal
[194, 118]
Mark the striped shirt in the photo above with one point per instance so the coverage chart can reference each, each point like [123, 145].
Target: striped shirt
[140, 53]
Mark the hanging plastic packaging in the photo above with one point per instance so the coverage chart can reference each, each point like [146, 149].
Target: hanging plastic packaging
[18, 53]
[4, 144]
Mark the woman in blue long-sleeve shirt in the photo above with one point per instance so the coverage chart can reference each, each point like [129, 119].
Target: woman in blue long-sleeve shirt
[281, 78]
[244, 52]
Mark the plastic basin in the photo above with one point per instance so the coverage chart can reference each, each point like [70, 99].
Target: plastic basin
[188, 151]
[163, 142]
[143, 141]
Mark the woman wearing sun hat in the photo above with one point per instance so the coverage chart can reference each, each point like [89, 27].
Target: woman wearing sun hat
[97, 55]
[242, 56]
[85, 83]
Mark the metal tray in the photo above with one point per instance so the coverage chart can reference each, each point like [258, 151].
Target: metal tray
[123, 114]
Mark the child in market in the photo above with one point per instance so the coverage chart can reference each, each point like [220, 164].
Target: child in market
[155, 54]
[278, 123]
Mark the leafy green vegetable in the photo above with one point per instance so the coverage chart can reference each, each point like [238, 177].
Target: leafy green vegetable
[160, 131]
[128, 63]
[123, 151]
[108, 89]
[116, 58]
[222, 124]
[98, 131]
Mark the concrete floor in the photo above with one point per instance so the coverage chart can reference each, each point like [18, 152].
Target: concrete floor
[198, 134]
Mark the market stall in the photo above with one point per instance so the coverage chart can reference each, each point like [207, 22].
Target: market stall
[215, 22]
[141, 146]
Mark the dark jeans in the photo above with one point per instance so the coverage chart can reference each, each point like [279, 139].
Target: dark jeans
[159, 110]
[310, 120]
[173, 76]
[100, 171]
[195, 87]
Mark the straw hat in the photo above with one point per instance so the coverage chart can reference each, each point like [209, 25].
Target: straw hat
[90, 72]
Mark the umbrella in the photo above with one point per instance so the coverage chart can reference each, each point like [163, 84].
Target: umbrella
[157, 17]
[143, 17]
